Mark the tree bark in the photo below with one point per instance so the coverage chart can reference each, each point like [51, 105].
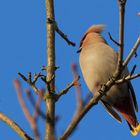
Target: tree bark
[50, 103]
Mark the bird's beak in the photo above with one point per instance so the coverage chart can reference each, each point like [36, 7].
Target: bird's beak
[79, 50]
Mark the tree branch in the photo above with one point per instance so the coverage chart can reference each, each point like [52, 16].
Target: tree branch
[132, 52]
[33, 103]
[64, 36]
[127, 78]
[61, 33]
[50, 102]
[15, 127]
[29, 82]
[37, 111]
[26, 112]
[80, 102]
[121, 37]
[113, 39]
[64, 91]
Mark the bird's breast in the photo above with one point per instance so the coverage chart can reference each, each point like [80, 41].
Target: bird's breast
[98, 65]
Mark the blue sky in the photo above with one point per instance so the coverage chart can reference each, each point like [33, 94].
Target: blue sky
[23, 48]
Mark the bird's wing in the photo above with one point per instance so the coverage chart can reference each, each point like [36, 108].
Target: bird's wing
[133, 95]
[111, 111]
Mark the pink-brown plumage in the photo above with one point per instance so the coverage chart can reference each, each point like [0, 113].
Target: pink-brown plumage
[98, 63]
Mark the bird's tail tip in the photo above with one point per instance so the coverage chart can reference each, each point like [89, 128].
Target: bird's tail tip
[135, 130]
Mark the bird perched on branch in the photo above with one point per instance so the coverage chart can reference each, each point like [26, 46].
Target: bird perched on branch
[98, 62]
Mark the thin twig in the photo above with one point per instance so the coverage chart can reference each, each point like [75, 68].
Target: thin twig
[36, 114]
[21, 101]
[127, 78]
[132, 52]
[22, 76]
[37, 105]
[133, 70]
[32, 83]
[29, 82]
[25, 110]
[29, 77]
[15, 127]
[40, 112]
[36, 76]
[61, 33]
[64, 91]
[80, 102]
[113, 39]
[64, 36]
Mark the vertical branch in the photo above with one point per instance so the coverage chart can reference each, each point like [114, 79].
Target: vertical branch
[50, 103]
[121, 36]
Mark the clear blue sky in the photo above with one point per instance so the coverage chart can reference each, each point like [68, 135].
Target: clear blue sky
[23, 48]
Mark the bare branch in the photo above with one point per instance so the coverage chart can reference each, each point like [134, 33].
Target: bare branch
[22, 76]
[64, 91]
[29, 77]
[133, 70]
[37, 105]
[121, 37]
[36, 76]
[80, 102]
[21, 101]
[26, 112]
[29, 82]
[64, 36]
[113, 39]
[127, 78]
[40, 112]
[50, 102]
[132, 52]
[15, 127]
[61, 33]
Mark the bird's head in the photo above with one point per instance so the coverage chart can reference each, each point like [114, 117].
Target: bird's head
[93, 30]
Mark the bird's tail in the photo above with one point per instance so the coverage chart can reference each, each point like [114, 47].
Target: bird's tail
[135, 130]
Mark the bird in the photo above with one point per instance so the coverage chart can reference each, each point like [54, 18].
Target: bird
[98, 62]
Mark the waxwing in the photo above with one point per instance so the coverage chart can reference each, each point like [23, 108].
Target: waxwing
[98, 62]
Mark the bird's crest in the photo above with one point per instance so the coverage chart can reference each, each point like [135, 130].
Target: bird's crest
[95, 29]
